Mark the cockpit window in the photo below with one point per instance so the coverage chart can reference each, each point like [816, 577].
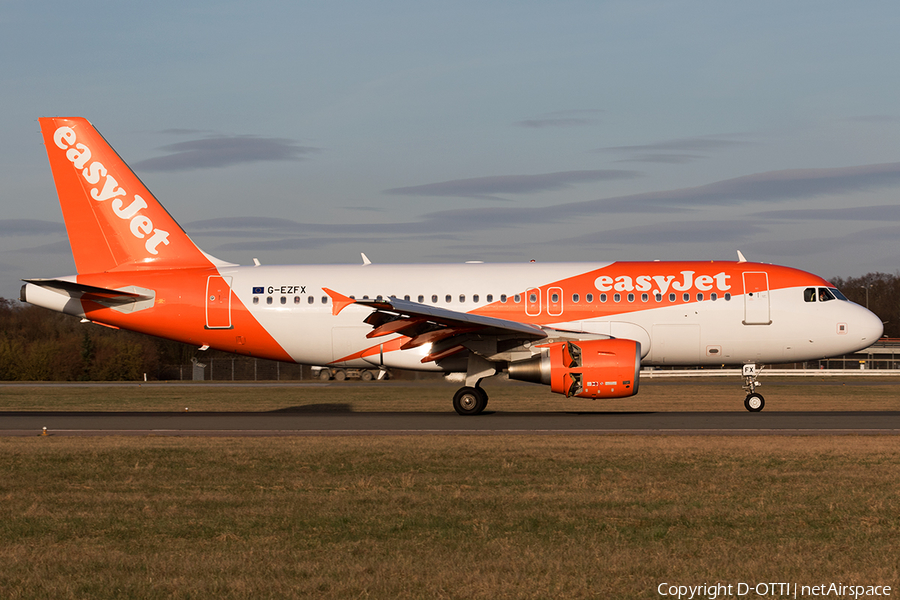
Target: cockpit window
[822, 294]
[825, 295]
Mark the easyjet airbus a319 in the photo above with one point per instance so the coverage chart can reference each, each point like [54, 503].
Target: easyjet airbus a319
[584, 329]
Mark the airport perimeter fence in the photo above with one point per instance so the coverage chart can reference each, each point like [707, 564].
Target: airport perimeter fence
[245, 368]
[242, 368]
[237, 368]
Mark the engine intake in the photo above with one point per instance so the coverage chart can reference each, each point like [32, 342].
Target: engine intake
[585, 368]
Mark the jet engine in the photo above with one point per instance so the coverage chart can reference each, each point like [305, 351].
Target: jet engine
[585, 368]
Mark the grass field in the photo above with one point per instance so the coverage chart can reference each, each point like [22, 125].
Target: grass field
[443, 517]
[420, 517]
[698, 394]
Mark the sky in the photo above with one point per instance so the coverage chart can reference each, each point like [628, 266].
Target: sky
[443, 132]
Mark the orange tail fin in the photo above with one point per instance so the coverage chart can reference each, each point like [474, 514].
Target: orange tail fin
[113, 220]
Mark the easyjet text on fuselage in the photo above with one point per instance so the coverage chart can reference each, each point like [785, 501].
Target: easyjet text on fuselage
[660, 284]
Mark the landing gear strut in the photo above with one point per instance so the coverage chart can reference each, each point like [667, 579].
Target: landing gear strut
[753, 402]
[470, 400]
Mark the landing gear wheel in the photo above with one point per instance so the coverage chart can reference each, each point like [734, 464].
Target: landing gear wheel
[469, 401]
[484, 397]
[754, 402]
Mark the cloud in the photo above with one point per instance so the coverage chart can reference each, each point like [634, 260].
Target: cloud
[12, 227]
[679, 232]
[316, 242]
[363, 208]
[696, 144]
[224, 151]
[886, 212]
[772, 186]
[61, 247]
[563, 118]
[267, 226]
[677, 151]
[486, 188]
[824, 244]
[872, 119]
[670, 159]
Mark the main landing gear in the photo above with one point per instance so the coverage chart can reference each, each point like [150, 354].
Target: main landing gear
[470, 400]
[754, 402]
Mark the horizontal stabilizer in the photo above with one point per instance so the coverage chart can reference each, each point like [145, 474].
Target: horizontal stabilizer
[87, 292]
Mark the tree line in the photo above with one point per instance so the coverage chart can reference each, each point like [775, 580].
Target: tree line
[37, 344]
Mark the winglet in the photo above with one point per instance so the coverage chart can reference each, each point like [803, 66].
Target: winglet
[741, 258]
[338, 301]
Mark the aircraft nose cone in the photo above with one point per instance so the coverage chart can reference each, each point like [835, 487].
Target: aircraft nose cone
[868, 327]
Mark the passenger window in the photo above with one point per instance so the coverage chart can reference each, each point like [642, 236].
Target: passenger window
[644, 297]
[700, 297]
[659, 297]
[503, 298]
[631, 297]
[517, 298]
[406, 297]
[809, 295]
[554, 297]
[603, 297]
[284, 299]
[686, 297]
[310, 300]
[269, 300]
[672, 297]
[714, 296]
[475, 298]
[324, 299]
[490, 297]
[575, 298]
[589, 298]
[727, 296]
[296, 299]
[448, 298]
[434, 298]
[462, 297]
[255, 299]
[421, 298]
[617, 297]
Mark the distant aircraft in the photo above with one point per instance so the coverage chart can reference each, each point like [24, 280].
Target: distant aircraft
[584, 329]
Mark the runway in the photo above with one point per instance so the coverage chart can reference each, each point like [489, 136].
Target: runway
[310, 423]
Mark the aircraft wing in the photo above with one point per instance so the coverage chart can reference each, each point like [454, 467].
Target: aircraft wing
[425, 324]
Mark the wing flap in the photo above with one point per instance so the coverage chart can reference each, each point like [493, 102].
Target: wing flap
[446, 330]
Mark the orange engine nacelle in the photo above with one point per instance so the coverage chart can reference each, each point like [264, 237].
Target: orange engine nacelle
[585, 368]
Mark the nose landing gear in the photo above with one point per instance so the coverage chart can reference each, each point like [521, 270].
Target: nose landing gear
[754, 402]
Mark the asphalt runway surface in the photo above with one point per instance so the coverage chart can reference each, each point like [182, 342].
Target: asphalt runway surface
[287, 423]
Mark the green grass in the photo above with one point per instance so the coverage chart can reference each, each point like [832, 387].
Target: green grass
[697, 394]
[447, 517]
